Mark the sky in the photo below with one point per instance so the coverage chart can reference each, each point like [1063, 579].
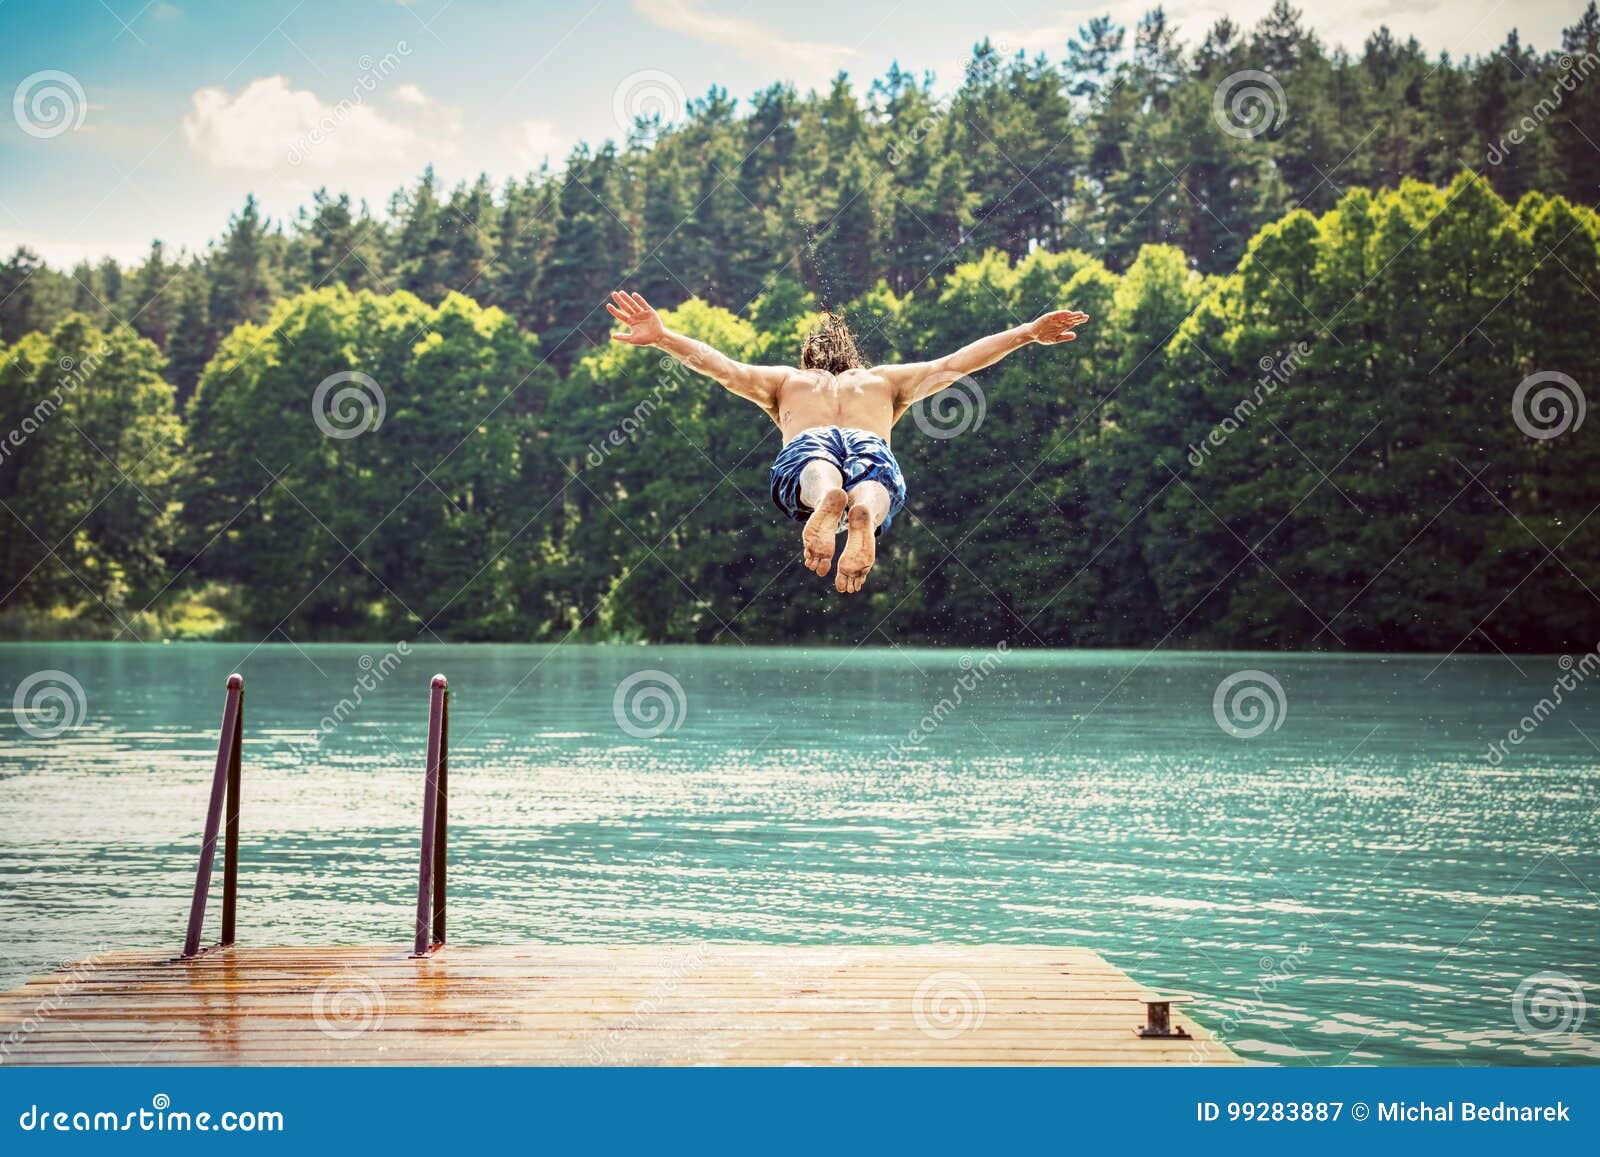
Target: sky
[141, 119]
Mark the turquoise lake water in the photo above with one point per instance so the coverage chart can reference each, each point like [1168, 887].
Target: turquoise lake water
[1360, 882]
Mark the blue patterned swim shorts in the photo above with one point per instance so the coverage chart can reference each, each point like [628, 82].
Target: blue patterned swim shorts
[860, 455]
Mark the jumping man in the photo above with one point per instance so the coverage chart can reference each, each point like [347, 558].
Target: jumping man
[835, 415]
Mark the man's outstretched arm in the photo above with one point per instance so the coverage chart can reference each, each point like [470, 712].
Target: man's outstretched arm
[757, 383]
[916, 380]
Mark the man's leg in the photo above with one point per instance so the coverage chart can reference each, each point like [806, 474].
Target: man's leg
[822, 489]
[869, 506]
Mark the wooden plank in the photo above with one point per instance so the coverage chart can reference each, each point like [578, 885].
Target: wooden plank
[594, 1004]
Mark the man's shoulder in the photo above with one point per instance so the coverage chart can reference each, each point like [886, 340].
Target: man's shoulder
[859, 376]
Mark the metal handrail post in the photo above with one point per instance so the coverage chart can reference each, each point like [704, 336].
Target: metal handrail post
[430, 873]
[224, 783]
[441, 822]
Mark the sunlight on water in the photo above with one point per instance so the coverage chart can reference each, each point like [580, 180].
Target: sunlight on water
[1358, 884]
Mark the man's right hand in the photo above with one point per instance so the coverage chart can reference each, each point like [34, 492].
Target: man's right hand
[1057, 326]
[644, 323]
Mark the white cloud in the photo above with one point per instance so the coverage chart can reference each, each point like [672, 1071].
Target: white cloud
[267, 124]
[536, 141]
[808, 61]
[410, 94]
[82, 243]
[302, 140]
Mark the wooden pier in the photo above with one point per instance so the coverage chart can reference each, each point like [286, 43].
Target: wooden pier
[681, 1004]
[677, 1004]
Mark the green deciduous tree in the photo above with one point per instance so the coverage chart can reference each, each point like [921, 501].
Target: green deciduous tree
[90, 472]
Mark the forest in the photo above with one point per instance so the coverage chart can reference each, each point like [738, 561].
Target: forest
[1332, 396]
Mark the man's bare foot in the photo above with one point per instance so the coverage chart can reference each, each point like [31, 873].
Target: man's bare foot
[821, 529]
[860, 552]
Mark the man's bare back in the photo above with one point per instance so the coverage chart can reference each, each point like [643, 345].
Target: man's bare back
[836, 415]
[857, 399]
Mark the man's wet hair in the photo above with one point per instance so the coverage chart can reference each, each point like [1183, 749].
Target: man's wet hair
[830, 346]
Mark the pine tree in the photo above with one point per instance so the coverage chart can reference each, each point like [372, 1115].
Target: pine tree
[193, 341]
[469, 226]
[1576, 125]
[528, 221]
[341, 246]
[419, 255]
[19, 307]
[244, 276]
[592, 243]
[151, 306]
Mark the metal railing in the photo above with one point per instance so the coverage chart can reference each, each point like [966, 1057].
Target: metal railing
[435, 816]
[224, 783]
[430, 930]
